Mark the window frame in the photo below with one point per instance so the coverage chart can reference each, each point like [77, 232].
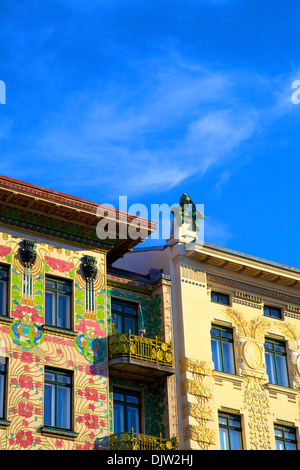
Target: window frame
[139, 407]
[219, 294]
[277, 309]
[135, 317]
[283, 429]
[6, 267]
[57, 291]
[56, 383]
[274, 353]
[229, 427]
[221, 339]
[5, 381]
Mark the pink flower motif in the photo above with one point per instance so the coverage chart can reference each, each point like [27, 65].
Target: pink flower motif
[92, 407]
[92, 436]
[38, 440]
[78, 447]
[87, 445]
[58, 444]
[4, 250]
[38, 411]
[102, 397]
[24, 439]
[91, 394]
[37, 359]
[80, 419]
[26, 368]
[54, 339]
[59, 351]
[47, 338]
[90, 370]
[91, 421]
[5, 329]
[91, 381]
[25, 423]
[14, 381]
[26, 395]
[26, 357]
[70, 343]
[62, 341]
[26, 381]
[13, 410]
[71, 363]
[35, 317]
[25, 409]
[47, 359]
[80, 393]
[15, 355]
[11, 442]
[102, 423]
[38, 384]
[59, 265]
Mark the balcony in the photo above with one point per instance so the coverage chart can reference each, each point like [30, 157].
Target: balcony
[148, 358]
[135, 441]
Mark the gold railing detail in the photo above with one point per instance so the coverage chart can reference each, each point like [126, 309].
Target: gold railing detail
[139, 347]
[135, 441]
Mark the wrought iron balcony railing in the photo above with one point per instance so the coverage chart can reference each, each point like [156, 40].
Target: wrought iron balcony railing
[135, 441]
[139, 347]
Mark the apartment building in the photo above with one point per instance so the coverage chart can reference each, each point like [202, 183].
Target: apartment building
[86, 350]
[237, 344]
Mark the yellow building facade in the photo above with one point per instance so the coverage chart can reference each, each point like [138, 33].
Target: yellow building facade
[237, 349]
[86, 351]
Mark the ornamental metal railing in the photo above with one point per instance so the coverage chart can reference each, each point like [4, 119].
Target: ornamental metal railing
[139, 347]
[135, 441]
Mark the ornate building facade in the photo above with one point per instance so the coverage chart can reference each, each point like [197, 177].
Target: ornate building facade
[86, 351]
[237, 344]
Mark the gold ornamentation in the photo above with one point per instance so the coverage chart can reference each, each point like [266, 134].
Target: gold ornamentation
[254, 329]
[257, 404]
[200, 411]
[252, 354]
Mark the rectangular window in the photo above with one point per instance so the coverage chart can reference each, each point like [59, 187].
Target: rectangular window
[285, 437]
[58, 398]
[124, 316]
[222, 349]
[272, 312]
[230, 431]
[127, 411]
[220, 298]
[2, 387]
[58, 300]
[276, 362]
[4, 281]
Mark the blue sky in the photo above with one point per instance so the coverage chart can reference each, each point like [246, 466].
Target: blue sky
[153, 99]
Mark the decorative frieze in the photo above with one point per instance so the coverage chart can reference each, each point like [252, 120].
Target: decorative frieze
[259, 291]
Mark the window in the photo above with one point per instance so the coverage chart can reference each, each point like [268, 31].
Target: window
[58, 302]
[276, 362]
[124, 316]
[272, 311]
[2, 387]
[127, 411]
[58, 398]
[230, 431]
[222, 349]
[285, 437]
[220, 298]
[3, 289]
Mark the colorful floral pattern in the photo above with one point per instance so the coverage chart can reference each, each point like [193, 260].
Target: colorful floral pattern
[59, 264]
